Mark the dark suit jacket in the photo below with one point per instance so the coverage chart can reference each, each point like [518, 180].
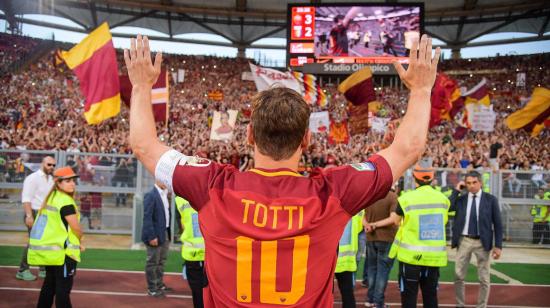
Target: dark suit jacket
[154, 220]
[490, 224]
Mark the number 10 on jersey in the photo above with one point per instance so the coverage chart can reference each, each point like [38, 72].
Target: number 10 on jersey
[268, 271]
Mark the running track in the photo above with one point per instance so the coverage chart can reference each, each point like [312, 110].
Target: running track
[97, 288]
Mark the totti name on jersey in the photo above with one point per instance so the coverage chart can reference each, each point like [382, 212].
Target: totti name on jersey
[272, 216]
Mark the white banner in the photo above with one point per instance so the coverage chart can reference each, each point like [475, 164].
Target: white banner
[520, 80]
[175, 77]
[223, 124]
[379, 125]
[265, 78]
[319, 122]
[481, 117]
[181, 74]
[247, 76]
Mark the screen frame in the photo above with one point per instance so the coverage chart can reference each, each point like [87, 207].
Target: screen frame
[340, 4]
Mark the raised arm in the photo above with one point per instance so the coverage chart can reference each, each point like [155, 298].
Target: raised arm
[143, 74]
[410, 138]
[350, 15]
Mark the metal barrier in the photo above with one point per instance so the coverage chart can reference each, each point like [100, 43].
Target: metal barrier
[111, 187]
[515, 190]
[107, 189]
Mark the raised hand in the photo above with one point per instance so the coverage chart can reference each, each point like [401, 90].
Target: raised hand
[141, 71]
[422, 67]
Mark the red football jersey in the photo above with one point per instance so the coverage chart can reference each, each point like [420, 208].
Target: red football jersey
[271, 235]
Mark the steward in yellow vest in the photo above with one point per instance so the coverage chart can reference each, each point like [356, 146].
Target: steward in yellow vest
[192, 250]
[486, 179]
[346, 265]
[55, 240]
[420, 244]
[447, 191]
[541, 219]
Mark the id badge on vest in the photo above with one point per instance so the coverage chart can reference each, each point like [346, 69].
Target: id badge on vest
[431, 227]
[346, 235]
[196, 228]
[39, 226]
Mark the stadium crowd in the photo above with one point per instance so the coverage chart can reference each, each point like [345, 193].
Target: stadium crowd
[48, 114]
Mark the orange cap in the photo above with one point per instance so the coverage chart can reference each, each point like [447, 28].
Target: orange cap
[64, 173]
[423, 173]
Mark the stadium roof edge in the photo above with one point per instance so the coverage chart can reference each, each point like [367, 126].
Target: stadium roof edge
[244, 22]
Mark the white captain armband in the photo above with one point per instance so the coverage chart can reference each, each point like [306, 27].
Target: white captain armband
[164, 171]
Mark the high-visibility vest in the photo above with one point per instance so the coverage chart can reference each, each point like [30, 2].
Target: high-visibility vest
[349, 245]
[420, 239]
[50, 241]
[539, 211]
[486, 180]
[192, 248]
[447, 193]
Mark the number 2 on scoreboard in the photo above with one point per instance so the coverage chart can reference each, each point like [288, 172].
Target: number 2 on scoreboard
[268, 271]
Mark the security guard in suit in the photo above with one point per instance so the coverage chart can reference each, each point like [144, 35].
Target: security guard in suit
[420, 243]
[192, 250]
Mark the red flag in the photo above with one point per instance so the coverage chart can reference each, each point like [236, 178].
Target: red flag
[460, 133]
[358, 119]
[443, 93]
[159, 95]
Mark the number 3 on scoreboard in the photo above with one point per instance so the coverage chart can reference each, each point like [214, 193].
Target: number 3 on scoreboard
[268, 271]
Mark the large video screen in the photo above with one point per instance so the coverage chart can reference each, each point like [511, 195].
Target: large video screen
[349, 33]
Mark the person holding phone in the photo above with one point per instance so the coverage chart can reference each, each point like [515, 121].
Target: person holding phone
[477, 223]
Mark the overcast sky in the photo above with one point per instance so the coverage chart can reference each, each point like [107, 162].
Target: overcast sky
[276, 56]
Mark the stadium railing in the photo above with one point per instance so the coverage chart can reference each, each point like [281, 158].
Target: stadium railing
[106, 188]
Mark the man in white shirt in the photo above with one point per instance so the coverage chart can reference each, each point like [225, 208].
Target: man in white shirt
[537, 178]
[35, 189]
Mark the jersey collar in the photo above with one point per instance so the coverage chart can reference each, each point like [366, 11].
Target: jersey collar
[275, 172]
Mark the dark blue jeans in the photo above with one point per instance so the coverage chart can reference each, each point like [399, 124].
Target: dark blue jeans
[379, 267]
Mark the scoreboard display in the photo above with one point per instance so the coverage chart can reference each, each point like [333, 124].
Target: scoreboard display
[351, 33]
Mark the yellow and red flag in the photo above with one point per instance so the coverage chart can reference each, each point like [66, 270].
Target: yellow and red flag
[94, 62]
[358, 87]
[535, 116]
[444, 93]
[478, 94]
[311, 91]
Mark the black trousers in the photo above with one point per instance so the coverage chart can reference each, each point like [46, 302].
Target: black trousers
[197, 281]
[410, 277]
[346, 282]
[58, 283]
[541, 230]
